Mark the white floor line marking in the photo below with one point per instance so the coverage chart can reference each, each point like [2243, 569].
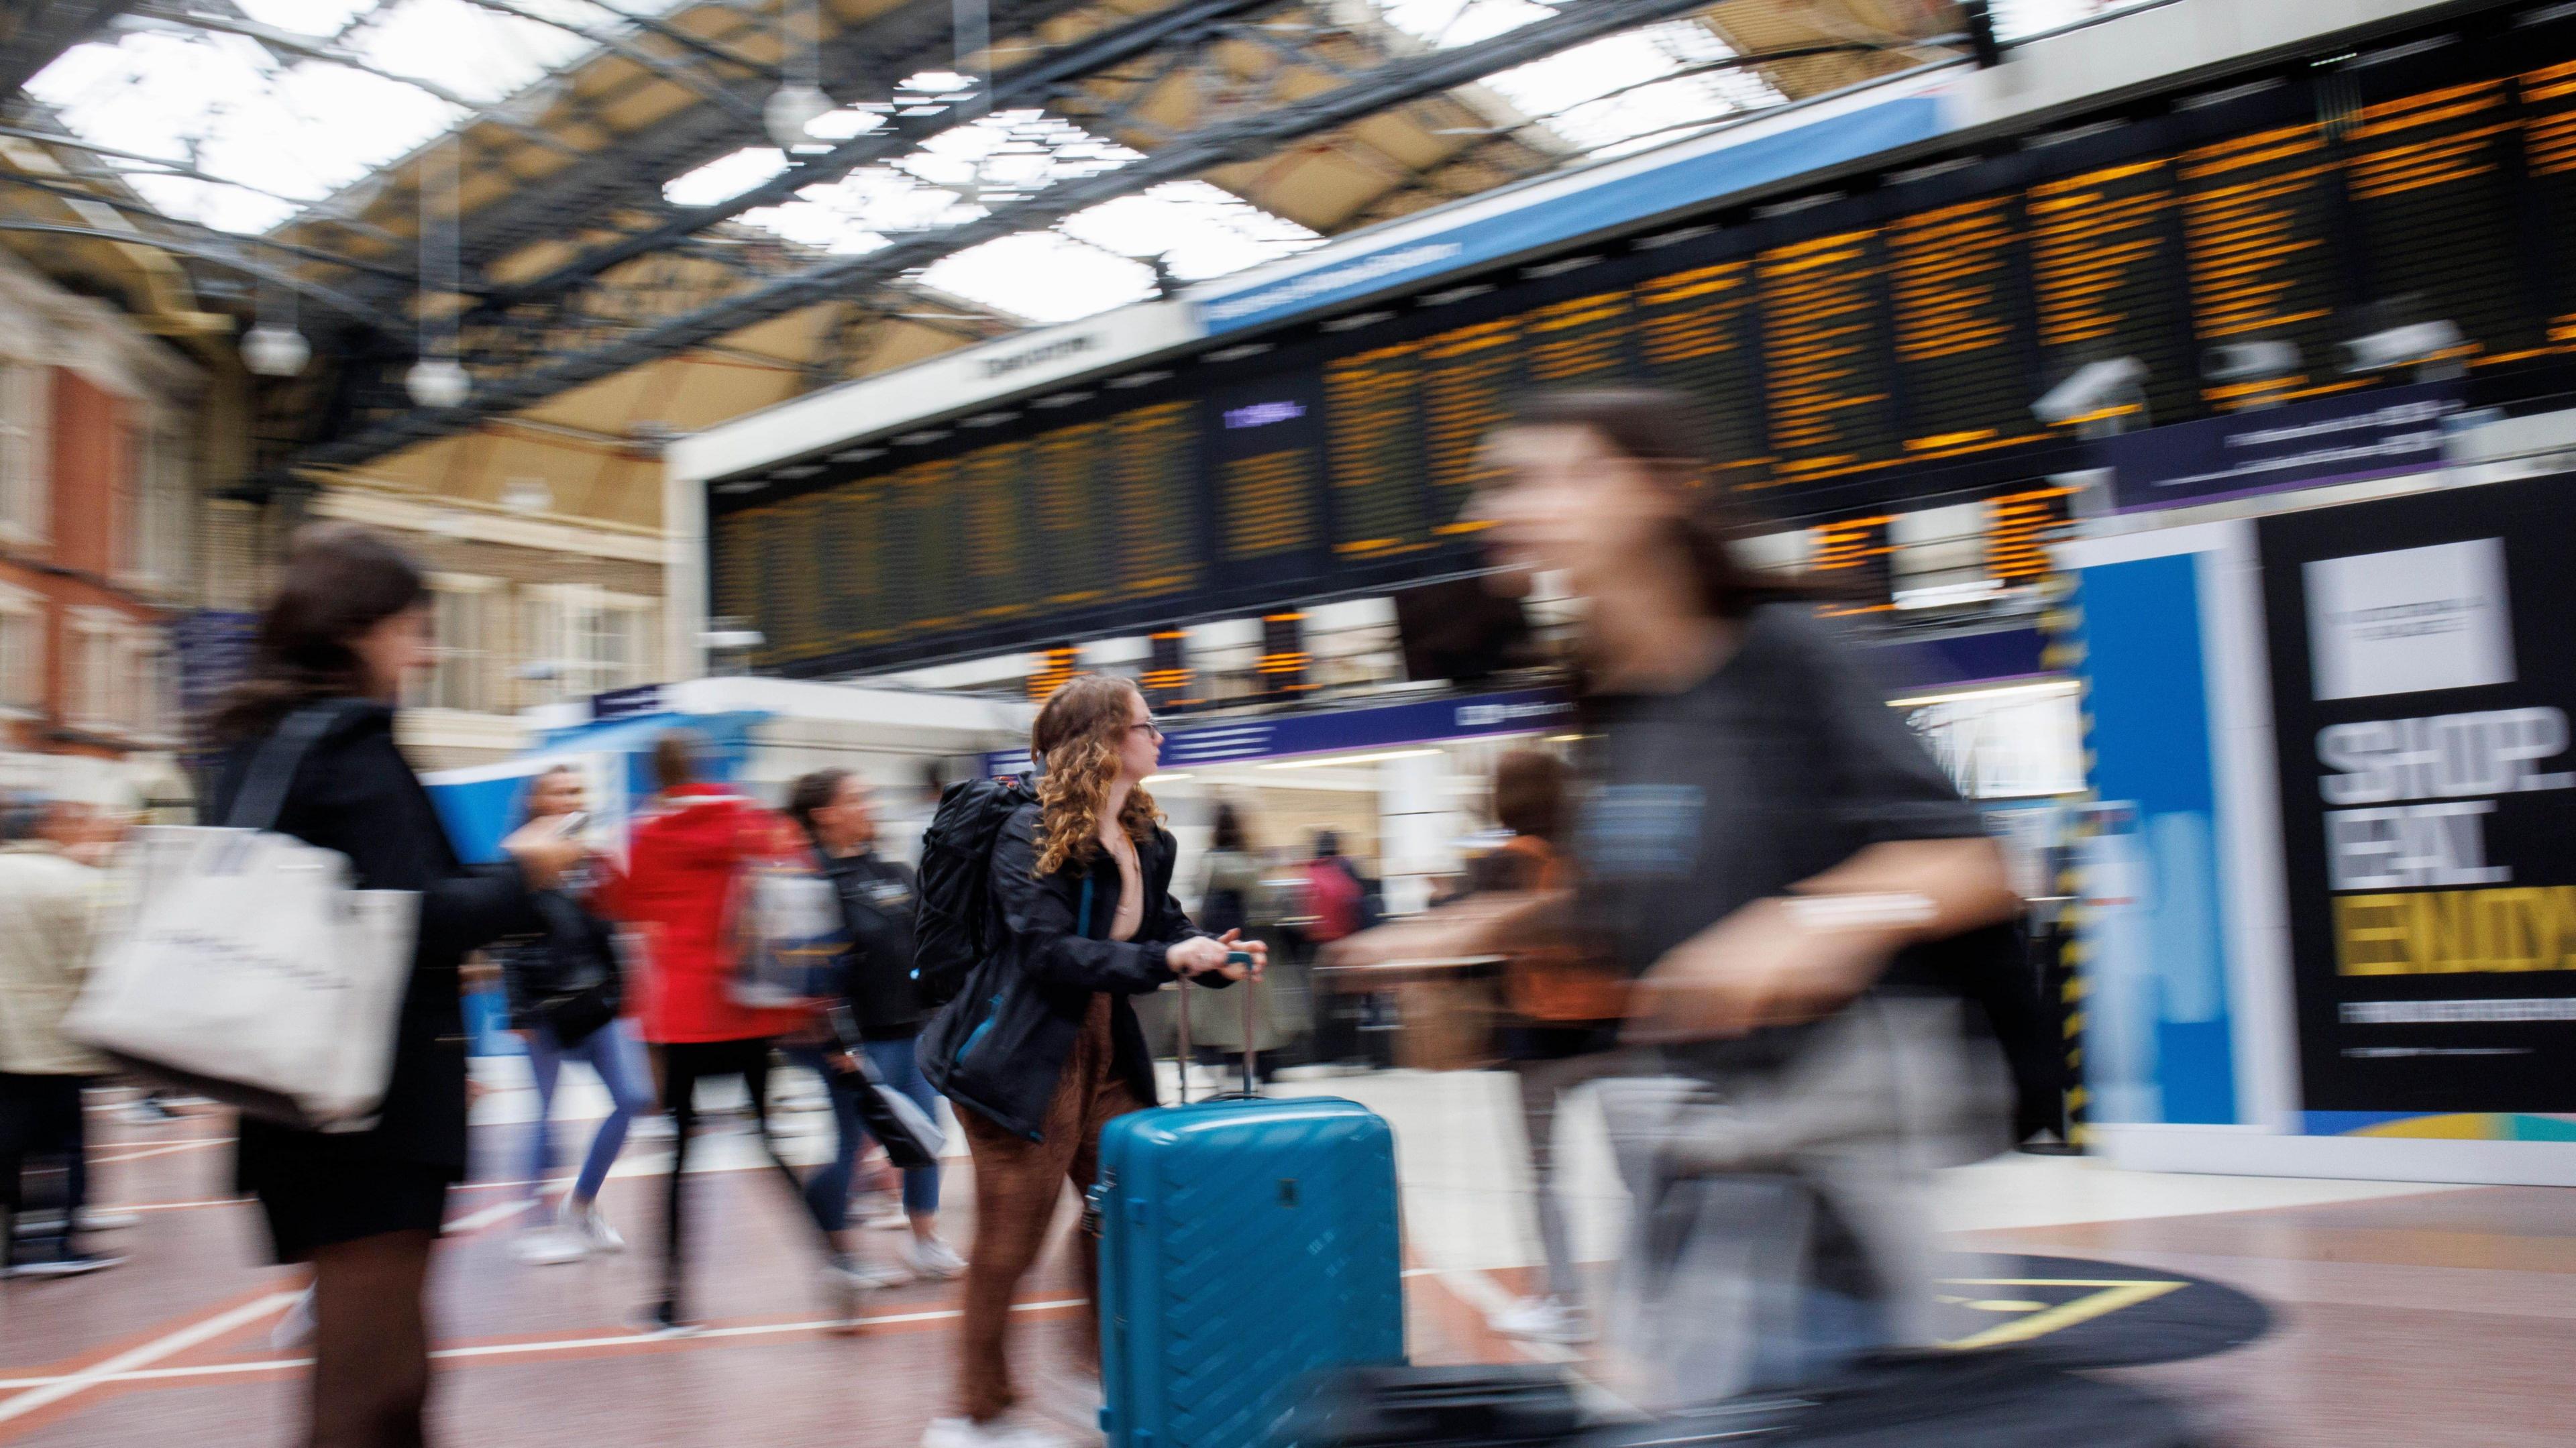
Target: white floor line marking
[474, 1221]
[132, 1359]
[165, 1150]
[141, 1374]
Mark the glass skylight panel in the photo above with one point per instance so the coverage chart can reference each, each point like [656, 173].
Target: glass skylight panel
[281, 121]
[2019, 19]
[1043, 276]
[1094, 260]
[1199, 230]
[1619, 93]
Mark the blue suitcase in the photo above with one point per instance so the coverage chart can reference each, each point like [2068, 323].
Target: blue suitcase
[1244, 1244]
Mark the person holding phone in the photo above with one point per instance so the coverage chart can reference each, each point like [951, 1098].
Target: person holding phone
[566, 990]
[1043, 1048]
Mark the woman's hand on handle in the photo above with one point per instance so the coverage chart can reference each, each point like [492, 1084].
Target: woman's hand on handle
[1202, 955]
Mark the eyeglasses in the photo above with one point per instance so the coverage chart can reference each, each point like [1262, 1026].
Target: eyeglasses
[1149, 726]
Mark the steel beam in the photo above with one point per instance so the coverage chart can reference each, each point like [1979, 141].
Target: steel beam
[44, 29]
[1241, 139]
[1030, 84]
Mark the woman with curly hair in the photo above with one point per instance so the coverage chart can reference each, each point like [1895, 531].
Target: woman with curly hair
[1044, 1048]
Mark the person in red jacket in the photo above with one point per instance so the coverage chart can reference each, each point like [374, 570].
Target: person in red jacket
[685, 864]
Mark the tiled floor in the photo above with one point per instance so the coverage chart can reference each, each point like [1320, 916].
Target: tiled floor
[2405, 1315]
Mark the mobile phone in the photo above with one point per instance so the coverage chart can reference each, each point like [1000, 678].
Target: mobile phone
[572, 824]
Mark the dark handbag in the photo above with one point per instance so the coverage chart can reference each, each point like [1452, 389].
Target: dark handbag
[576, 1016]
[910, 1138]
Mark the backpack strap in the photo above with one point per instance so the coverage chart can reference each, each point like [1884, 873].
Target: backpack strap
[1082, 921]
[272, 769]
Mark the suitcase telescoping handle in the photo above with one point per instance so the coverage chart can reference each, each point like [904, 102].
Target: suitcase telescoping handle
[1251, 1048]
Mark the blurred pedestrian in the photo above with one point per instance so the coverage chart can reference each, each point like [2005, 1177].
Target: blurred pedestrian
[1043, 1047]
[349, 623]
[49, 916]
[882, 1003]
[1761, 840]
[686, 869]
[566, 991]
[1561, 1023]
[1231, 898]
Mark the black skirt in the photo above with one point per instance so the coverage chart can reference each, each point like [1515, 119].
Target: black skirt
[317, 1192]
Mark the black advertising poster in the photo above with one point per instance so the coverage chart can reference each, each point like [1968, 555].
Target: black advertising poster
[2422, 678]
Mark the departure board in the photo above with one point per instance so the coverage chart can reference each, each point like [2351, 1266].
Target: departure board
[2255, 216]
[1469, 378]
[1067, 487]
[2427, 177]
[1691, 331]
[994, 555]
[2549, 141]
[1824, 344]
[1840, 355]
[1269, 504]
[2106, 273]
[1962, 330]
[1150, 468]
[1374, 404]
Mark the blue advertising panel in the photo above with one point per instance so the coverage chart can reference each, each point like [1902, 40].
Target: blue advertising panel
[2158, 1043]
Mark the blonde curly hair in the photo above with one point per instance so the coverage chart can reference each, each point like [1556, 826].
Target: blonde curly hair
[1076, 738]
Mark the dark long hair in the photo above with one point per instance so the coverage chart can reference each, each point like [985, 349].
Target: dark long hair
[340, 580]
[811, 792]
[1228, 832]
[1659, 426]
[1530, 794]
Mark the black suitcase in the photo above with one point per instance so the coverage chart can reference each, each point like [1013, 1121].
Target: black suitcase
[1458, 1407]
[2001, 1399]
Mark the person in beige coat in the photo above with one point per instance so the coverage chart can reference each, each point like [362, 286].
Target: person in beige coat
[49, 908]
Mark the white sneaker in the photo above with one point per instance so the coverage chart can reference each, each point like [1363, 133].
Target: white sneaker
[1542, 1319]
[880, 1210]
[1070, 1398]
[549, 1246]
[91, 1219]
[295, 1329]
[873, 1275]
[933, 1260]
[591, 1225]
[1000, 1433]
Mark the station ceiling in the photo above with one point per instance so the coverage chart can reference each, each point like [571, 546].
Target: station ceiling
[585, 201]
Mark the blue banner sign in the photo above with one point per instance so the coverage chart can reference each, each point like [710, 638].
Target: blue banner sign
[2303, 444]
[625, 703]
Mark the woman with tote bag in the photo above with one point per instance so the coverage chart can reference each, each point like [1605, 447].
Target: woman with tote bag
[349, 622]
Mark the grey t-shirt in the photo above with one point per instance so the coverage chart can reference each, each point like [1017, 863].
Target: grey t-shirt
[1782, 763]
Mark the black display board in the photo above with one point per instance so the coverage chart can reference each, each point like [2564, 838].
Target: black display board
[1877, 348]
[2423, 667]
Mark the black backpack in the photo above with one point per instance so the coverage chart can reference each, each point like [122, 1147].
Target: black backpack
[956, 861]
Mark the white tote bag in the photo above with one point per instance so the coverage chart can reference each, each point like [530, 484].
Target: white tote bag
[250, 971]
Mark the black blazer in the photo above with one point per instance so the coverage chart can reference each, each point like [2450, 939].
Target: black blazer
[1001, 1045]
[356, 794]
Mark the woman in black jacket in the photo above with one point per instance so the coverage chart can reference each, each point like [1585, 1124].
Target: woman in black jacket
[350, 620]
[883, 1014]
[1043, 1047]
